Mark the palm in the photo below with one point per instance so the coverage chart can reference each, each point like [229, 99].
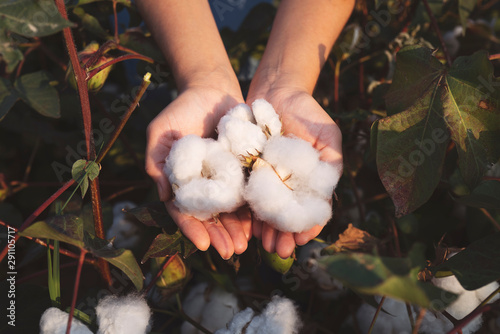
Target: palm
[302, 117]
[195, 111]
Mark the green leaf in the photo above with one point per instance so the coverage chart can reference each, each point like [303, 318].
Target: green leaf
[35, 89]
[83, 170]
[9, 52]
[426, 103]
[70, 229]
[168, 244]
[465, 8]
[44, 230]
[32, 18]
[153, 214]
[8, 97]
[90, 23]
[472, 114]
[477, 265]
[393, 277]
[485, 195]
[126, 262]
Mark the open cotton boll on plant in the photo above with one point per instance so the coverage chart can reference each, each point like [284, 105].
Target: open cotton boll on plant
[123, 315]
[211, 307]
[279, 317]
[206, 178]
[55, 321]
[125, 231]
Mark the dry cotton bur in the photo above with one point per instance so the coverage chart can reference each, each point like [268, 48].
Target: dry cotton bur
[288, 186]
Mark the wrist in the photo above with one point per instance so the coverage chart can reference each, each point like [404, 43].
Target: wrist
[220, 77]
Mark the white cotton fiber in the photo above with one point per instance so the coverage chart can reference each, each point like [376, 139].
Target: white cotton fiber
[266, 117]
[240, 137]
[242, 112]
[123, 315]
[125, 232]
[323, 178]
[466, 302]
[212, 308]
[239, 321]
[55, 321]
[184, 162]
[208, 184]
[279, 317]
[292, 155]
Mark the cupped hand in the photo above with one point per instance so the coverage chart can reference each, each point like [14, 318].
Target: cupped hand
[302, 117]
[196, 110]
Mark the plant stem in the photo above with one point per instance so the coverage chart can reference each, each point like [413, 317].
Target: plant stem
[420, 317]
[38, 211]
[160, 271]
[375, 316]
[80, 82]
[142, 89]
[437, 31]
[114, 61]
[115, 16]
[462, 323]
[490, 218]
[75, 289]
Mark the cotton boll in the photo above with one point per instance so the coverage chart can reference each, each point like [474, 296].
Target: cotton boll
[242, 112]
[483, 292]
[396, 322]
[239, 321]
[240, 137]
[303, 213]
[279, 316]
[466, 302]
[55, 321]
[123, 315]
[125, 232]
[324, 178]
[266, 117]
[291, 156]
[213, 309]
[213, 185]
[185, 160]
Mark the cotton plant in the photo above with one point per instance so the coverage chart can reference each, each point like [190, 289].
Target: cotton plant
[279, 317]
[396, 321]
[115, 315]
[288, 186]
[212, 308]
[55, 321]
[125, 231]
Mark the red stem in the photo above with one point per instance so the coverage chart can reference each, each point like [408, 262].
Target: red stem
[462, 323]
[80, 82]
[75, 289]
[158, 274]
[38, 211]
[114, 61]
[437, 31]
[20, 67]
[117, 39]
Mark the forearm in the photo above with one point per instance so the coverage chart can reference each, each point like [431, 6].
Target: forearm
[301, 39]
[188, 37]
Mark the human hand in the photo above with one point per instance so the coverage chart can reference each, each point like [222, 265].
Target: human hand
[302, 117]
[196, 110]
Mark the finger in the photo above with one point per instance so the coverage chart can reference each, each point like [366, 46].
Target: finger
[304, 237]
[257, 228]
[191, 227]
[245, 216]
[156, 152]
[285, 244]
[269, 235]
[220, 239]
[233, 226]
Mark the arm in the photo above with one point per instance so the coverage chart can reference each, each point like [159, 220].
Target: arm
[208, 87]
[301, 39]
